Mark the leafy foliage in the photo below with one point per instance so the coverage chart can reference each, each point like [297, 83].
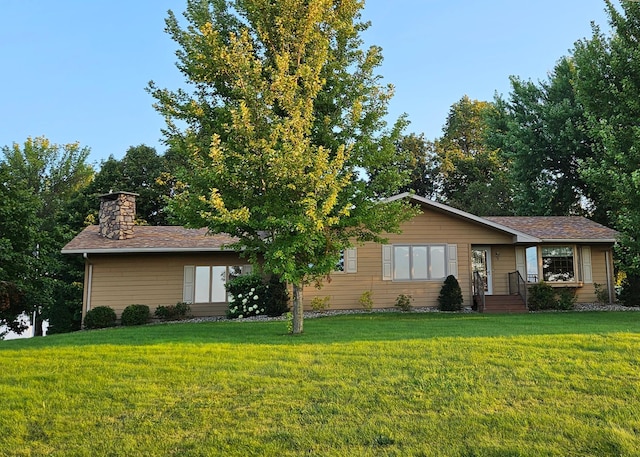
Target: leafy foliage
[404, 302]
[100, 317]
[366, 300]
[286, 139]
[135, 315]
[45, 176]
[472, 176]
[450, 298]
[541, 129]
[630, 291]
[179, 311]
[252, 296]
[608, 83]
[542, 296]
[320, 304]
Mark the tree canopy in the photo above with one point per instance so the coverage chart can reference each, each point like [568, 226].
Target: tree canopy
[285, 134]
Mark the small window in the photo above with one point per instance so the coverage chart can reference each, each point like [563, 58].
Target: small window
[532, 264]
[558, 263]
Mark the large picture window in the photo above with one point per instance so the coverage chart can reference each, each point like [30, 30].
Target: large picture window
[558, 263]
[419, 262]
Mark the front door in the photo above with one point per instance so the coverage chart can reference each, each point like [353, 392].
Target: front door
[481, 262]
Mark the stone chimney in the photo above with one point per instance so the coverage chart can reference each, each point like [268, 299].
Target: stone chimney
[117, 215]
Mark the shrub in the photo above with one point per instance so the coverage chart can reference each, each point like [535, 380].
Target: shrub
[366, 300]
[320, 304]
[277, 297]
[541, 296]
[100, 317]
[175, 312]
[450, 298]
[565, 298]
[251, 296]
[135, 315]
[630, 292]
[601, 292]
[404, 302]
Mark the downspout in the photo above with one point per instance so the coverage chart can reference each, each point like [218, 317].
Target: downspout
[610, 286]
[89, 281]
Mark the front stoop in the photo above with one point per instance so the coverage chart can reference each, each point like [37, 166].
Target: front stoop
[504, 304]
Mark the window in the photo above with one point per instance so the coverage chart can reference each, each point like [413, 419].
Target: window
[419, 262]
[532, 264]
[348, 262]
[558, 264]
[206, 284]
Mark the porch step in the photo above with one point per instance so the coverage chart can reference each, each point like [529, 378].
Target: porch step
[504, 304]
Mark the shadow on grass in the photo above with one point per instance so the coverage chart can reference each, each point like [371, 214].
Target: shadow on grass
[367, 327]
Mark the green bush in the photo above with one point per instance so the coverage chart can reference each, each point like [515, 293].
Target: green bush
[601, 292]
[366, 300]
[630, 292]
[450, 298]
[180, 310]
[320, 304]
[541, 296]
[404, 302]
[277, 301]
[565, 298]
[135, 315]
[100, 317]
[252, 296]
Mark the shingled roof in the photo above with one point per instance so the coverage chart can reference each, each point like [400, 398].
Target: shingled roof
[559, 228]
[149, 239]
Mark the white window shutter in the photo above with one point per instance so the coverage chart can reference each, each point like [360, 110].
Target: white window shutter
[351, 260]
[587, 272]
[521, 262]
[188, 284]
[387, 261]
[452, 250]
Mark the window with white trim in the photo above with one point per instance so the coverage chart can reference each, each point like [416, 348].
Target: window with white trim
[558, 263]
[206, 283]
[419, 262]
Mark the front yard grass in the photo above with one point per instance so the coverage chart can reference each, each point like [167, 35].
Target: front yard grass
[391, 384]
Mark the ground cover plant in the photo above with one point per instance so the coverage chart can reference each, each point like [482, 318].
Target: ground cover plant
[393, 384]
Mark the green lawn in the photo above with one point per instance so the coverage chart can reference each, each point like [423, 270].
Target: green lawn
[557, 384]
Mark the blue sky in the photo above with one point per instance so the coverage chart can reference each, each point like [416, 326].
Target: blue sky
[76, 70]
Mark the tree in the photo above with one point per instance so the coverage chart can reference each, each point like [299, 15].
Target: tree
[139, 171]
[608, 84]
[18, 222]
[543, 133]
[421, 162]
[472, 176]
[284, 133]
[51, 174]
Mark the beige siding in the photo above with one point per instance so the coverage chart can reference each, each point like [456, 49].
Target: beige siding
[157, 279]
[430, 227]
[151, 279]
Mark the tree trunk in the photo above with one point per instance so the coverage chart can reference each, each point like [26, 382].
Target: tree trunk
[37, 327]
[298, 311]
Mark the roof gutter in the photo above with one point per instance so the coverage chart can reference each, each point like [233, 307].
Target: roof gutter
[85, 252]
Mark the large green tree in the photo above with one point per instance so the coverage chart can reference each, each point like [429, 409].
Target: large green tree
[541, 129]
[51, 175]
[18, 234]
[284, 132]
[141, 170]
[471, 175]
[608, 84]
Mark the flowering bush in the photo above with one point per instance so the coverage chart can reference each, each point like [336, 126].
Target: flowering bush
[251, 296]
